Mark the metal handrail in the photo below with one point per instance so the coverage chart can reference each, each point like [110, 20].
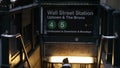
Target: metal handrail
[18, 35]
[101, 47]
[110, 37]
[21, 8]
[10, 36]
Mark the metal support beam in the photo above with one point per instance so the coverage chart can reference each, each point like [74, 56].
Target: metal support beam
[116, 47]
[5, 27]
[5, 53]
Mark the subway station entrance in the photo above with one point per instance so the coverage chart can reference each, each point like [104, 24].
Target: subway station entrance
[59, 33]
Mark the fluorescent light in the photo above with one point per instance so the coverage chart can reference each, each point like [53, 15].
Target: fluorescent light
[72, 59]
[12, 0]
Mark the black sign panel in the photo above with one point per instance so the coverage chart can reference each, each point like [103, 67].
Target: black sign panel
[70, 20]
[78, 1]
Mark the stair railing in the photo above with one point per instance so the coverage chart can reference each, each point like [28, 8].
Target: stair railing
[100, 49]
[18, 35]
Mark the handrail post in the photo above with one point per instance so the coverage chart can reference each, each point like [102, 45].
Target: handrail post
[99, 53]
[23, 45]
[100, 50]
[25, 52]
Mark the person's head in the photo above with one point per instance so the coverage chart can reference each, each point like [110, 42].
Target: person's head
[66, 63]
[65, 60]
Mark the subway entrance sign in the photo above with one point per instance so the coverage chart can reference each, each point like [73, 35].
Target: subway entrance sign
[69, 20]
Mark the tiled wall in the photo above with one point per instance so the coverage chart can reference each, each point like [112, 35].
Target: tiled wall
[67, 49]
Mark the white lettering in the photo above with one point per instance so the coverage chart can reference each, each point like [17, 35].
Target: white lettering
[69, 17]
[54, 17]
[87, 13]
[62, 12]
[79, 17]
[52, 12]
